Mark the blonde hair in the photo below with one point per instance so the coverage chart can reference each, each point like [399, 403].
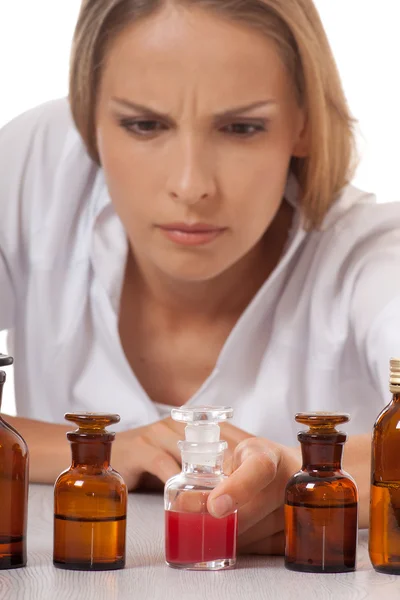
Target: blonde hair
[296, 28]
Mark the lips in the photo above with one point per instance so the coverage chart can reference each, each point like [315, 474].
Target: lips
[191, 235]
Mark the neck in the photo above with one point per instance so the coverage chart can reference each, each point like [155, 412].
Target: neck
[224, 295]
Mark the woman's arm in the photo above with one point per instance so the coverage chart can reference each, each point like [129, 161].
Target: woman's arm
[49, 451]
[14, 151]
[7, 299]
[31, 149]
[151, 450]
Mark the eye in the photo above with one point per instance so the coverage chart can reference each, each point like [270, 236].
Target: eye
[143, 127]
[243, 129]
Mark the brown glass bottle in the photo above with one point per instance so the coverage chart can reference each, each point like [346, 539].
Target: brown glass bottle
[90, 500]
[321, 501]
[14, 479]
[384, 533]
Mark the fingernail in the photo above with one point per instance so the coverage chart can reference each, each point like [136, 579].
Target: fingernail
[221, 506]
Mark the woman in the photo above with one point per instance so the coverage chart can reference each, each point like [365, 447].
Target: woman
[183, 231]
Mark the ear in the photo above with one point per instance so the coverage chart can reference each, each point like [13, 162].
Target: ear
[301, 146]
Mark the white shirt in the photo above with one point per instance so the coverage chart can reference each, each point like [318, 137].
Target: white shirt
[317, 336]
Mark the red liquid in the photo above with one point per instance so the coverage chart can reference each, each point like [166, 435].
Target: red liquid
[198, 537]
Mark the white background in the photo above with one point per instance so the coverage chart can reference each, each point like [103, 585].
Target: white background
[35, 39]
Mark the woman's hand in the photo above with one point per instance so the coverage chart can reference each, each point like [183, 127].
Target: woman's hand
[260, 472]
[148, 456]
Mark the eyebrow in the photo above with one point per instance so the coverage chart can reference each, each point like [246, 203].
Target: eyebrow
[231, 112]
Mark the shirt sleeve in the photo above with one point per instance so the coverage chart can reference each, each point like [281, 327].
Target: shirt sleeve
[7, 297]
[10, 234]
[376, 302]
[382, 344]
[29, 147]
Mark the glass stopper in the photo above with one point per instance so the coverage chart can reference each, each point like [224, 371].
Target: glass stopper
[202, 414]
[92, 422]
[322, 421]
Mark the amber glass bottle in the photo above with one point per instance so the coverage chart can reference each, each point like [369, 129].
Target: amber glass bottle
[14, 478]
[90, 500]
[384, 533]
[321, 501]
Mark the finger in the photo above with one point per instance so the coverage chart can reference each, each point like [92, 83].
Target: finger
[274, 545]
[265, 528]
[233, 436]
[258, 463]
[176, 426]
[256, 447]
[155, 460]
[228, 463]
[160, 435]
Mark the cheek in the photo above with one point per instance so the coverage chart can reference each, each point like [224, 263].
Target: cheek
[129, 175]
[256, 187]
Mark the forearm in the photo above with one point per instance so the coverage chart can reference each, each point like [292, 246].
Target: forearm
[357, 462]
[49, 450]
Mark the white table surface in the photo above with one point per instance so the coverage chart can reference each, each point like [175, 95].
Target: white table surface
[146, 577]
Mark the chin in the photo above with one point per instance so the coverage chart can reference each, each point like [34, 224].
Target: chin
[196, 271]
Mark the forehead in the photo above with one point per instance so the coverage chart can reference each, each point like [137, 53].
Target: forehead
[192, 48]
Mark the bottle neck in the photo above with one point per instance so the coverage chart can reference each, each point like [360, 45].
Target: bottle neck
[322, 453]
[1, 393]
[213, 467]
[91, 453]
[396, 398]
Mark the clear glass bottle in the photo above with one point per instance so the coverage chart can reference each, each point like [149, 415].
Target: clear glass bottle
[321, 501]
[14, 480]
[193, 538]
[384, 532]
[90, 500]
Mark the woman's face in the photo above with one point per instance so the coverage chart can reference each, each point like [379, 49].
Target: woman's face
[197, 121]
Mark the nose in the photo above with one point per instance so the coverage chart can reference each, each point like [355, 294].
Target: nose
[191, 174]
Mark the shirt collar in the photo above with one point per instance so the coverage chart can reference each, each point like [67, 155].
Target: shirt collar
[109, 247]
